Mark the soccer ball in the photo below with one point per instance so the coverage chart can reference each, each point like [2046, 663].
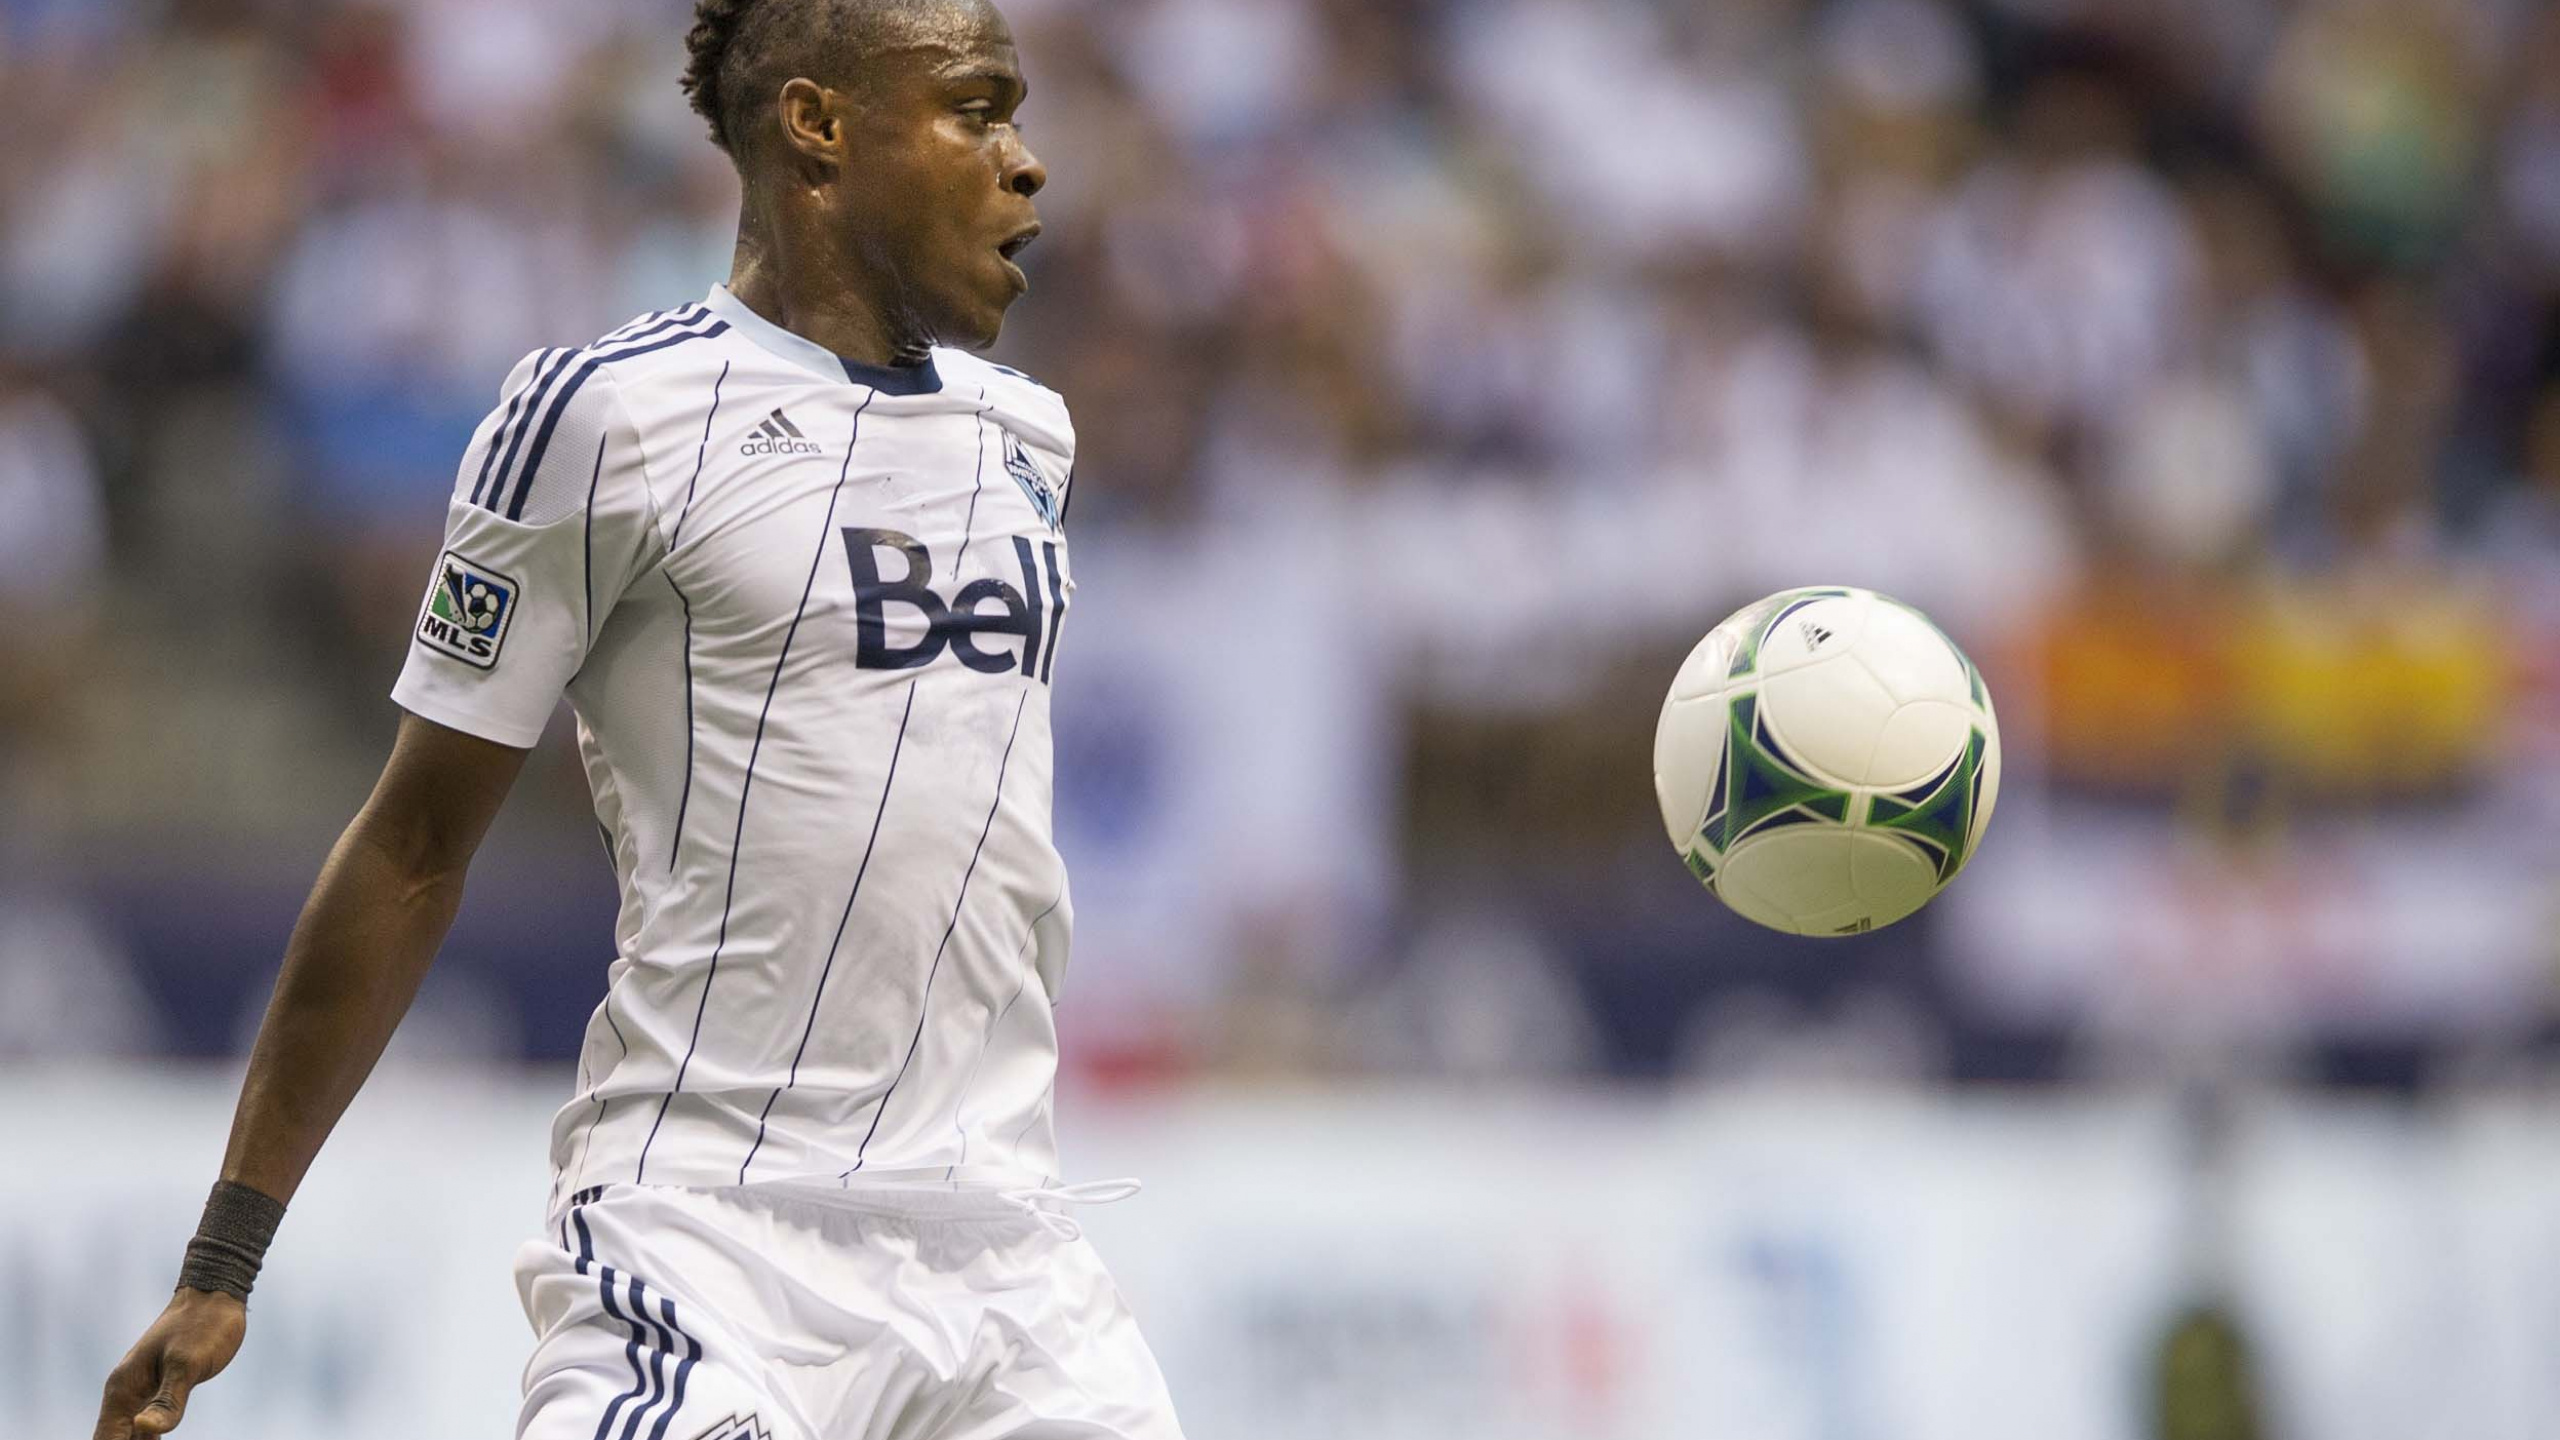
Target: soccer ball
[1826, 761]
[479, 607]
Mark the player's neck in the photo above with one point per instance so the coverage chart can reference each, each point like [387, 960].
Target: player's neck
[835, 315]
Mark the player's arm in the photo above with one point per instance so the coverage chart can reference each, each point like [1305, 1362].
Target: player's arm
[383, 903]
[551, 519]
[373, 924]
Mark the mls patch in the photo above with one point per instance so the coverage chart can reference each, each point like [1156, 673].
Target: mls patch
[1035, 486]
[468, 611]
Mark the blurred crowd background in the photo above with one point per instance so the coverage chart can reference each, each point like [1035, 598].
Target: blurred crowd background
[1444, 368]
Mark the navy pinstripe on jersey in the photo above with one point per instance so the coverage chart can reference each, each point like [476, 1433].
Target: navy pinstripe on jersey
[737, 841]
[701, 455]
[924, 1002]
[587, 556]
[818, 996]
[1021, 956]
[977, 485]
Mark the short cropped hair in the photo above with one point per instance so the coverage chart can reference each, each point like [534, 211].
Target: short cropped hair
[740, 52]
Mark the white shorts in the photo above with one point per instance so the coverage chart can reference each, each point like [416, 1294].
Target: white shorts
[799, 1314]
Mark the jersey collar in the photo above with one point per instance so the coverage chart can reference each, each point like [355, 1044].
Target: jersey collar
[809, 355]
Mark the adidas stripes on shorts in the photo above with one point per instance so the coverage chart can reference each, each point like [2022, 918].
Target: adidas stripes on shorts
[805, 1314]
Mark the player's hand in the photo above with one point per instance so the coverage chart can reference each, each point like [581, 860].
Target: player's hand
[190, 1343]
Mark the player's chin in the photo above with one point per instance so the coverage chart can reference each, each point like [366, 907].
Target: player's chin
[974, 321]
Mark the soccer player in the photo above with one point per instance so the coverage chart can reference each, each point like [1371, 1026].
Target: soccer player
[800, 572]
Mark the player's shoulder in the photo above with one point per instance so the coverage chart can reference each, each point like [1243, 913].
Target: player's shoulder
[660, 345]
[562, 402]
[1025, 403]
[656, 344]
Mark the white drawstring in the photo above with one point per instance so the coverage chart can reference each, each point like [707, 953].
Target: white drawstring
[1035, 1202]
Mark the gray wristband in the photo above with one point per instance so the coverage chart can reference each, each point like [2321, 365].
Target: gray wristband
[231, 1241]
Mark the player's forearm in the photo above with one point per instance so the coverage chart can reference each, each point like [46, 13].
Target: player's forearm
[366, 937]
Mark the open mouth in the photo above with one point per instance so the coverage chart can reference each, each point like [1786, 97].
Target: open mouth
[1019, 243]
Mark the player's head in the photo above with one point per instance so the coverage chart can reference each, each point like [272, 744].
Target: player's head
[882, 132]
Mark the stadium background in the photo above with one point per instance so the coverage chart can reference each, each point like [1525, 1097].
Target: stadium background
[1444, 368]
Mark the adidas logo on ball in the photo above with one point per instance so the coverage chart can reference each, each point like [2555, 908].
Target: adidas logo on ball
[778, 436]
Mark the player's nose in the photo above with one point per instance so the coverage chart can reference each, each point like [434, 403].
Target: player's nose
[1024, 175]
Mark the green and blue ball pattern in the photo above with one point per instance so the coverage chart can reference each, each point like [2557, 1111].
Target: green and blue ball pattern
[1827, 761]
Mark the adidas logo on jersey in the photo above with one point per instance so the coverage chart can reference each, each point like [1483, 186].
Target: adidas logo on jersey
[778, 436]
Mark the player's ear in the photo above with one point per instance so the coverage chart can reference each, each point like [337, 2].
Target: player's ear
[811, 123]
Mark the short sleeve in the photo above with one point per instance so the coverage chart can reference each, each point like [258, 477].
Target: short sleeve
[551, 522]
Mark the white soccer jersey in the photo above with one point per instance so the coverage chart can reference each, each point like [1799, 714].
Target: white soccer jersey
[806, 613]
